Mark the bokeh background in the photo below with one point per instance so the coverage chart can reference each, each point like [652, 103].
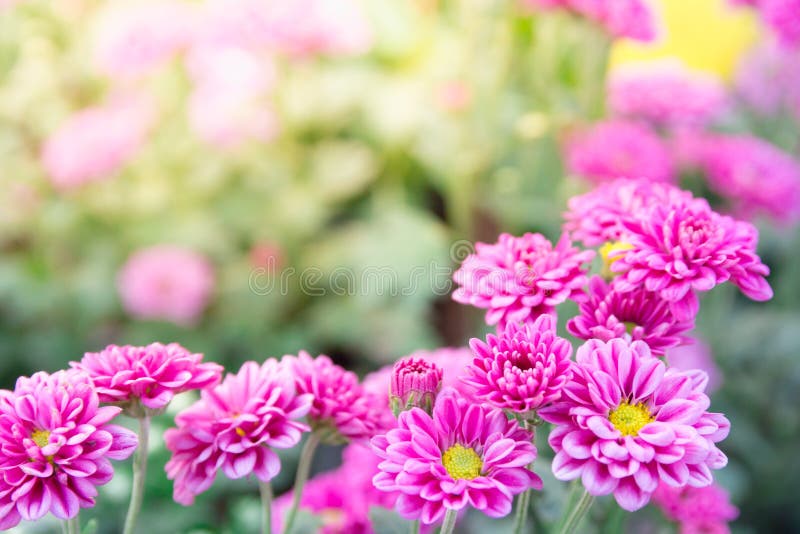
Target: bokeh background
[223, 175]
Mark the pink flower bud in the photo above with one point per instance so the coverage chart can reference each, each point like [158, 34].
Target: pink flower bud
[415, 383]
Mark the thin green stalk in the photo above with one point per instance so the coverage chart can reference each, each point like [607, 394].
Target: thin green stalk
[266, 507]
[303, 469]
[576, 514]
[71, 526]
[415, 527]
[449, 523]
[524, 500]
[139, 474]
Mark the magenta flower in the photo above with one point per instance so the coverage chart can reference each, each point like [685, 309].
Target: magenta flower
[342, 508]
[627, 422]
[519, 278]
[523, 369]
[639, 315]
[97, 141]
[633, 19]
[341, 409]
[166, 282]
[694, 355]
[598, 216]
[783, 17]
[415, 382]
[683, 248]
[768, 79]
[705, 510]
[756, 176]
[666, 94]
[234, 427]
[152, 375]
[464, 455]
[619, 149]
[56, 444]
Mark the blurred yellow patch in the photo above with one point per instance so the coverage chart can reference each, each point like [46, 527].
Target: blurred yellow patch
[707, 35]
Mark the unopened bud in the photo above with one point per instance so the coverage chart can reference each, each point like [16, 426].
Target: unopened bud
[415, 383]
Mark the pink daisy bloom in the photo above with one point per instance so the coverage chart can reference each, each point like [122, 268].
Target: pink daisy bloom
[683, 248]
[519, 278]
[166, 282]
[666, 94]
[150, 375]
[756, 176]
[523, 369]
[56, 444]
[463, 455]
[705, 510]
[638, 315]
[342, 508]
[341, 409]
[598, 216]
[234, 427]
[618, 149]
[97, 141]
[627, 422]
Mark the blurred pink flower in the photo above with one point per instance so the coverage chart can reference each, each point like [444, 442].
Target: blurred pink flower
[152, 375]
[618, 149]
[680, 249]
[633, 19]
[754, 175]
[705, 510]
[134, 38]
[342, 508]
[768, 79]
[297, 28]
[696, 354]
[234, 427]
[598, 216]
[523, 368]
[341, 409]
[453, 95]
[56, 445]
[783, 16]
[97, 141]
[519, 278]
[166, 282]
[627, 422]
[229, 103]
[640, 314]
[464, 455]
[666, 94]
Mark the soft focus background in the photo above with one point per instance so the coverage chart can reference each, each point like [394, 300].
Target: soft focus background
[254, 177]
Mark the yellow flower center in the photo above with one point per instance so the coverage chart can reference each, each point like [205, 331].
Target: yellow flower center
[609, 253]
[41, 438]
[462, 462]
[240, 432]
[630, 418]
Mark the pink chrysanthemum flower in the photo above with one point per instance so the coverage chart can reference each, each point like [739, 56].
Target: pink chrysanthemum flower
[680, 249]
[522, 369]
[666, 94]
[341, 408]
[234, 426]
[696, 354]
[627, 422]
[132, 39]
[619, 149]
[639, 314]
[95, 142]
[464, 455]
[342, 508]
[56, 444]
[756, 176]
[705, 510]
[598, 216]
[519, 278]
[768, 79]
[783, 16]
[166, 282]
[150, 375]
[633, 19]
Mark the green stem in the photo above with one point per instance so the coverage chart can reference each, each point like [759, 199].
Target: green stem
[303, 469]
[139, 474]
[71, 526]
[524, 500]
[266, 507]
[415, 527]
[576, 514]
[449, 523]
